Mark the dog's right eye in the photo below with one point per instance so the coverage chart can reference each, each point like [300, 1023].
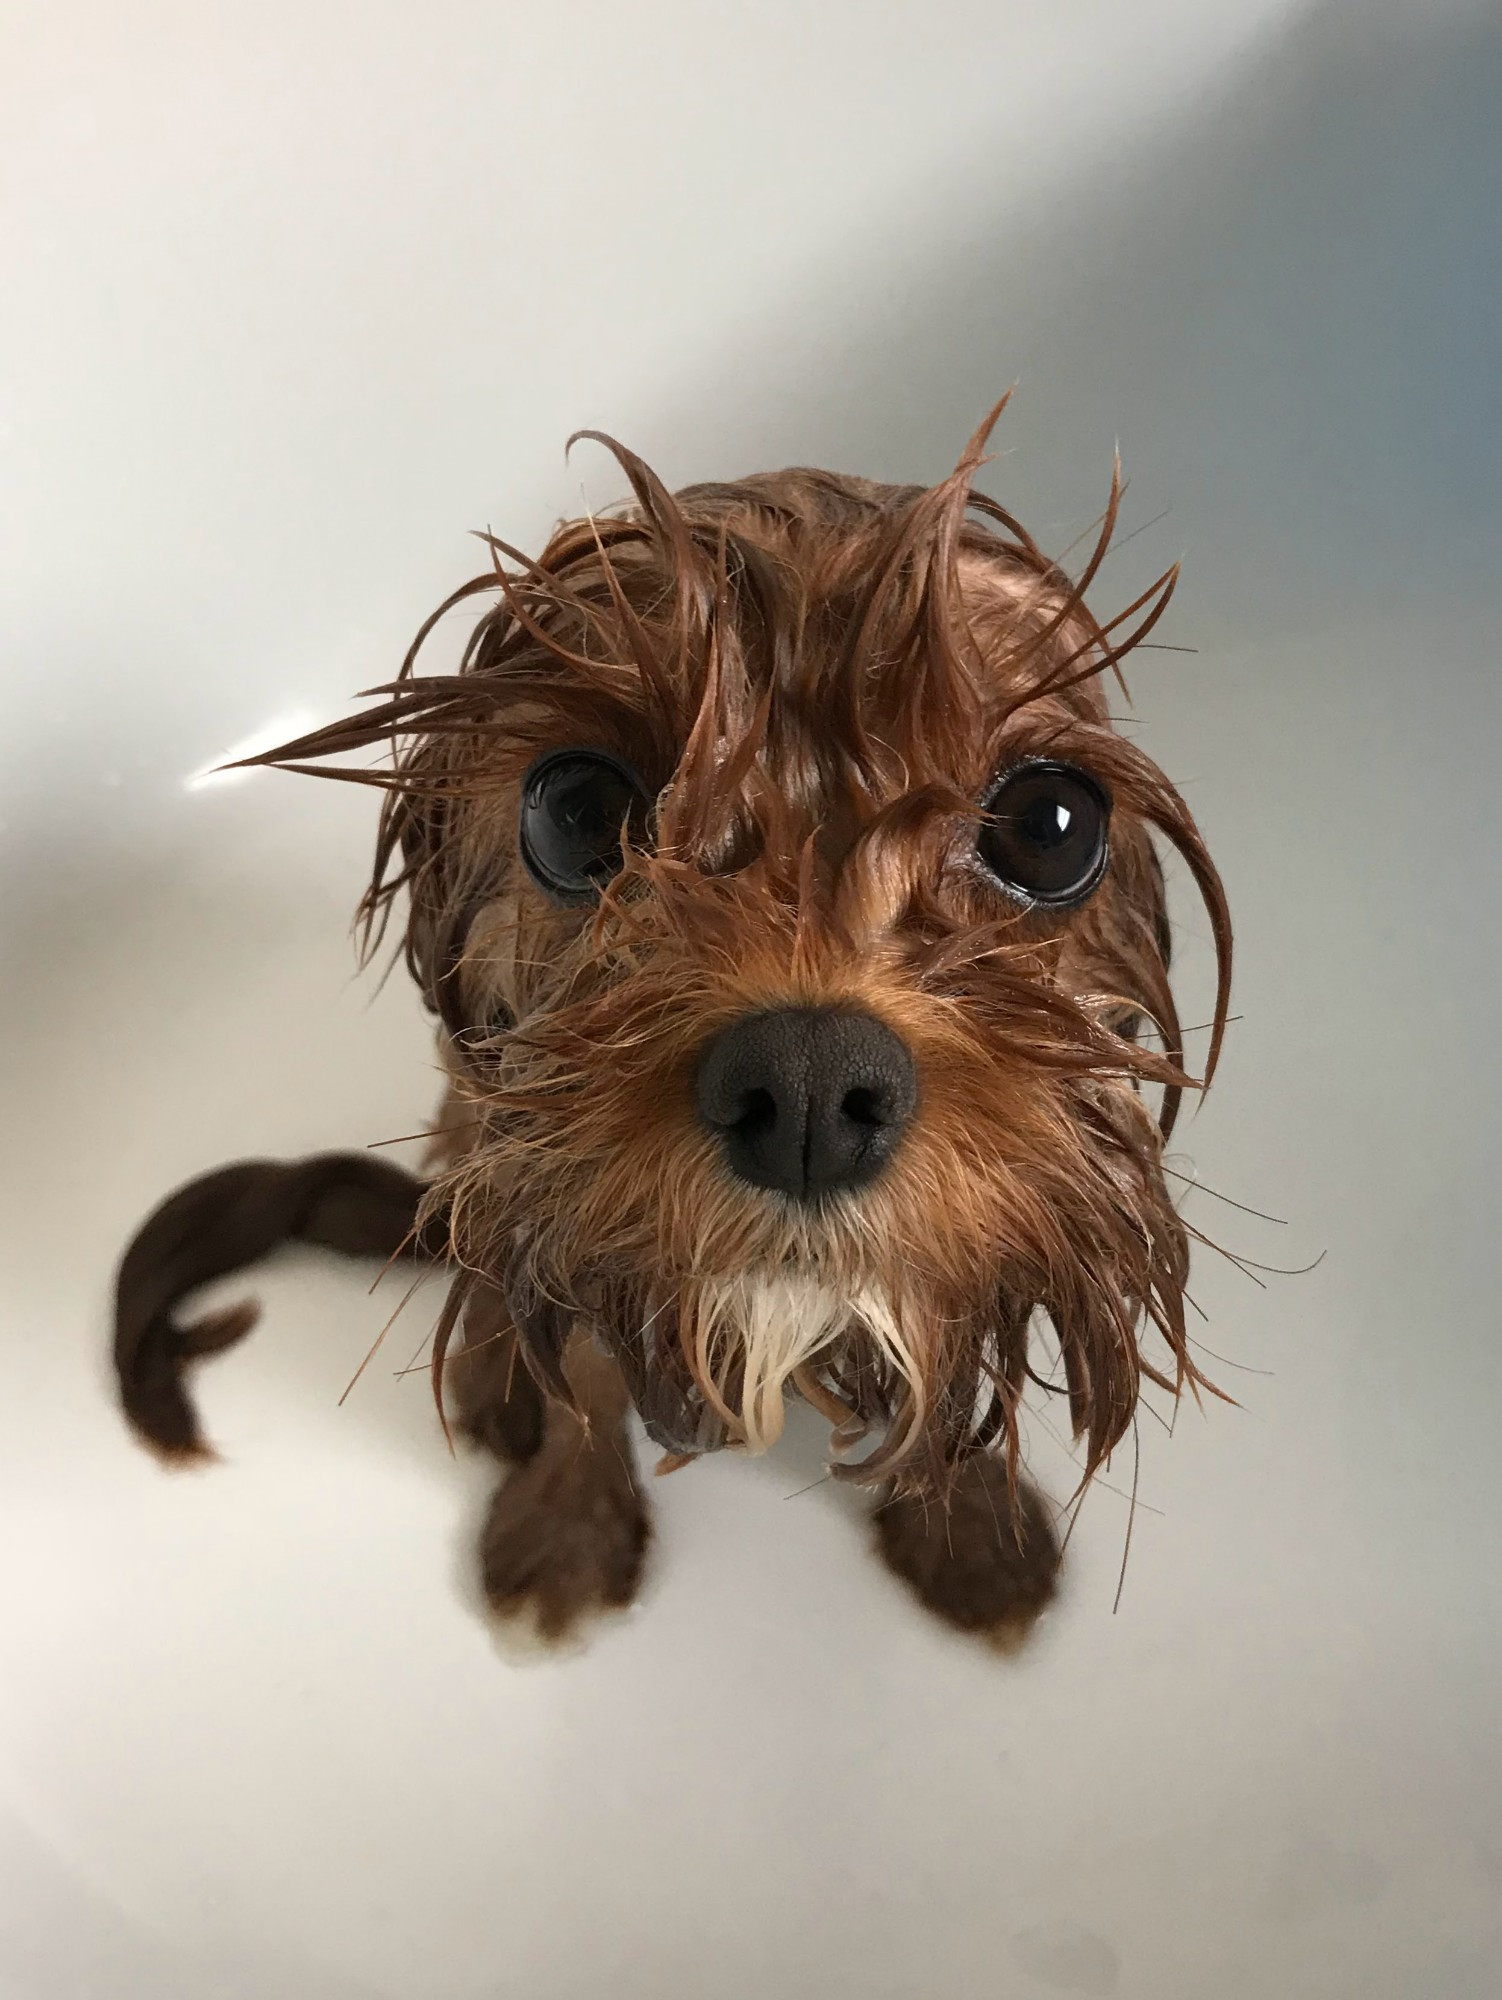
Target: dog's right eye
[575, 806]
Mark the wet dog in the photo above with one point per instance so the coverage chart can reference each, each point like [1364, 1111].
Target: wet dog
[791, 910]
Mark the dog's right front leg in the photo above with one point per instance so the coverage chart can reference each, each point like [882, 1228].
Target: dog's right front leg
[567, 1532]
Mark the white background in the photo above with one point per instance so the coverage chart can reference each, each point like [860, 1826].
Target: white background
[292, 298]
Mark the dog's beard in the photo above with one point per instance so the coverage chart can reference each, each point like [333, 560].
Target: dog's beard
[759, 1333]
[712, 1361]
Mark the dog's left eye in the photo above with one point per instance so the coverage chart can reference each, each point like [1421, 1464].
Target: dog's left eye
[575, 805]
[1044, 835]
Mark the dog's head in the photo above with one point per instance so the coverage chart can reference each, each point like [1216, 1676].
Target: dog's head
[791, 907]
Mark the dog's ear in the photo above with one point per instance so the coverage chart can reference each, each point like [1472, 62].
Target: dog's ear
[435, 926]
[418, 858]
[1147, 891]
[1126, 946]
[1149, 954]
[1126, 933]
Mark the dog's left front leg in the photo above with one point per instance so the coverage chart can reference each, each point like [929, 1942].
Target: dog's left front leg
[567, 1532]
[968, 1557]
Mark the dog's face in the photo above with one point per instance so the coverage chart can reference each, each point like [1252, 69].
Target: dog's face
[790, 905]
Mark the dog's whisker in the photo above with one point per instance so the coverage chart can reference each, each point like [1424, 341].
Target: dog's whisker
[1157, 1415]
[1249, 1267]
[1241, 1367]
[375, 1345]
[416, 1365]
[1099, 1480]
[799, 1491]
[1126, 1544]
[1119, 542]
[428, 1132]
[1198, 1186]
[1208, 1027]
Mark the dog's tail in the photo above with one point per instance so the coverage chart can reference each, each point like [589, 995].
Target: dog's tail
[222, 1222]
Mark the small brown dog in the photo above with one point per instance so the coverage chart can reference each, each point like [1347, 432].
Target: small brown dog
[791, 911]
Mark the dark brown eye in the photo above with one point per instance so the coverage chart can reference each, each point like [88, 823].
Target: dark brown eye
[1044, 836]
[575, 804]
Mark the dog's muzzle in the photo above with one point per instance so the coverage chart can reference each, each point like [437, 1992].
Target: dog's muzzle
[807, 1101]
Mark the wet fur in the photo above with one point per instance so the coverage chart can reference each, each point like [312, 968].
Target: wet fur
[817, 677]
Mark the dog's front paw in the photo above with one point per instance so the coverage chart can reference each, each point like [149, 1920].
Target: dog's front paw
[566, 1539]
[966, 1558]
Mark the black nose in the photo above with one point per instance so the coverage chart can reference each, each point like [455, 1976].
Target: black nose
[807, 1101]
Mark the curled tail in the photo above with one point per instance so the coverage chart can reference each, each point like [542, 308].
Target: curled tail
[222, 1222]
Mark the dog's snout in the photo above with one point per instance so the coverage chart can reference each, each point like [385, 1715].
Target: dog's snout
[807, 1101]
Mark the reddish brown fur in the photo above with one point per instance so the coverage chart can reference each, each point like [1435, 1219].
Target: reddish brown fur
[817, 676]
